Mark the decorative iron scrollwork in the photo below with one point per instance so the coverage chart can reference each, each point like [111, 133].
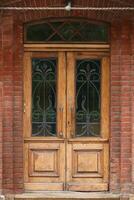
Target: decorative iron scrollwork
[88, 98]
[43, 97]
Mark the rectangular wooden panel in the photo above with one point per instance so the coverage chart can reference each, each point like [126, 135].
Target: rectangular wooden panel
[45, 164]
[87, 166]
[87, 163]
[35, 187]
[90, 187]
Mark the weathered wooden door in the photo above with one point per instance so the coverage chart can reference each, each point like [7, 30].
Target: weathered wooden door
[66, 121]
[87, 122]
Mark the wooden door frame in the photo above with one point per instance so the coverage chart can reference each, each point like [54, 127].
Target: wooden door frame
[94, 51]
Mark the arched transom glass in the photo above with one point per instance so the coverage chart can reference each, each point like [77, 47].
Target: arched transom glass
[66, 30]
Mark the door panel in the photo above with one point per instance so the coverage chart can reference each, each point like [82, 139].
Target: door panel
[87, 166]
[66, 121]
[45, 153]
[44, 120]
[44, 165]
[88, 123]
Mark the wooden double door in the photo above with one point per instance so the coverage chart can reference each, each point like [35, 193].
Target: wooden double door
[66, 121]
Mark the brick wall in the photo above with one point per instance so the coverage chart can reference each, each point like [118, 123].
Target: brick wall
[121, 110]
[125, 101]
[115, 108]
[6, 76]
[1, 132]
[132, 103]
[122, 106]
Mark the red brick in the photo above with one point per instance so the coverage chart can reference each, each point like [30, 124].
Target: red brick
[11, 73]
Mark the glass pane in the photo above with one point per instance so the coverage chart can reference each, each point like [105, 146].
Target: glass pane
[67, 31]
[88, 75]
[39, 32]
[44, 97]
[94, 32]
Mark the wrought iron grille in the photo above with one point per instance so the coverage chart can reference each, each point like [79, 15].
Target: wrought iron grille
[88, 76]
[44, 97]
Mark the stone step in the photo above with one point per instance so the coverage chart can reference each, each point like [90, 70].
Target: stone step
[67, 196]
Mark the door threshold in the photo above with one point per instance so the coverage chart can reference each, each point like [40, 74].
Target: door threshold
[67, 195]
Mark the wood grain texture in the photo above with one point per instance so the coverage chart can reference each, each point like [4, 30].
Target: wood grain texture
[68, 46]
[44, 166]
[105, 101]
[87, 157]
[44, 157]
[66, 162]
[27, 95]
[71, 94]
[88, 187]
[61, 95]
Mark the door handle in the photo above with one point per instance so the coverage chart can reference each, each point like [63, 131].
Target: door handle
[24, 107]
[61, 122]
[71, 122]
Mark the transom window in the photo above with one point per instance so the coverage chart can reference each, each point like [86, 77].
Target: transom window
[66, 30]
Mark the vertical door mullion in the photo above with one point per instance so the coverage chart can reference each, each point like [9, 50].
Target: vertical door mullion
[70, 112]
[105, 98]
[61, 104]
[70, 95]
[27, 95]
[61, 95]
